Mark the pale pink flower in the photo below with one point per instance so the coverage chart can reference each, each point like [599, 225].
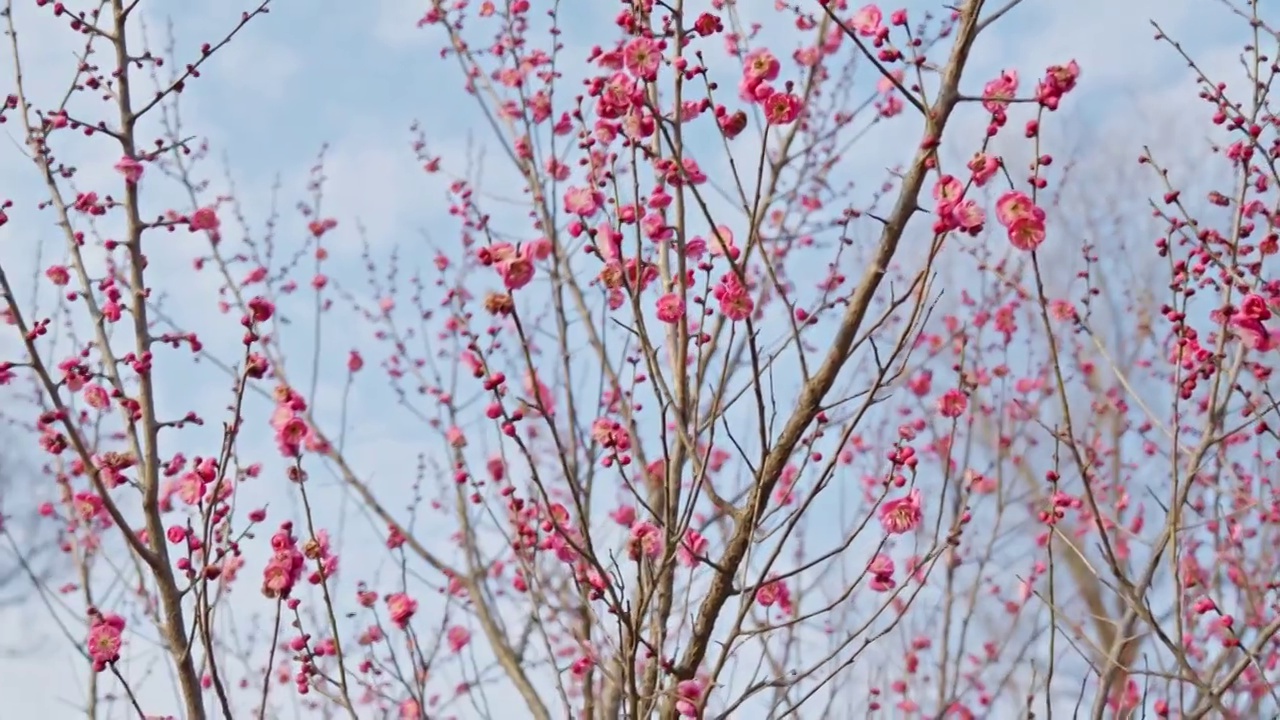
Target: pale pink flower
[693, 545]
[582, 201]
[516, 272]
[721, 242]
[881, 570]
[885, 84]
[458, 637]
[1027, 234]
[455, 437]
[410, 709]
[969, 215]
[1015, 206]
[624, 515]
[983, 167]
[130, 168]
[645, 541]
[867, 20]
[546, 400]
[642, 57]
[948, 189]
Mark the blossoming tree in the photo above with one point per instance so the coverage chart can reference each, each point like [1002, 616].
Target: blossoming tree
[703, 430]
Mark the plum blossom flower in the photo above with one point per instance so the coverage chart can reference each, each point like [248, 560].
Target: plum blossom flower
[58, 275]
[410, 709]
[688, 172]
[610, 434]
[735, 301]
[582, 201]
[721, 244]
[96, 396]
[104, 640]
[997, 93]
[402, 607]
[457, 637]
[952, 404]
[1249, 326]
[1014, 206]
[983, 167]
[206, 218]
[867, 20]
[1058, 81]
[514, 265]
[689, 694]
[707, 24]
[760, 66]
[902, 515]
[516, 272]
[920, 383]
[670, 308]
[693, 545]
[775, 592]
[732, 124]
[623, 515]
[541, 395]
[642, 56]
[881, 571]
[1024, 221]
[1027, 234]
[645, 541]
[948, 190]
[968, 216]
[782, 108]
[285, 567]
[130, 168]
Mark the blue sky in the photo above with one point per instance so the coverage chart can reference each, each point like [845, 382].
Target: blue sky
[355, 75]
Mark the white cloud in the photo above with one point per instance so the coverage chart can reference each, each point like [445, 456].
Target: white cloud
[396, 22]
[263, 71]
